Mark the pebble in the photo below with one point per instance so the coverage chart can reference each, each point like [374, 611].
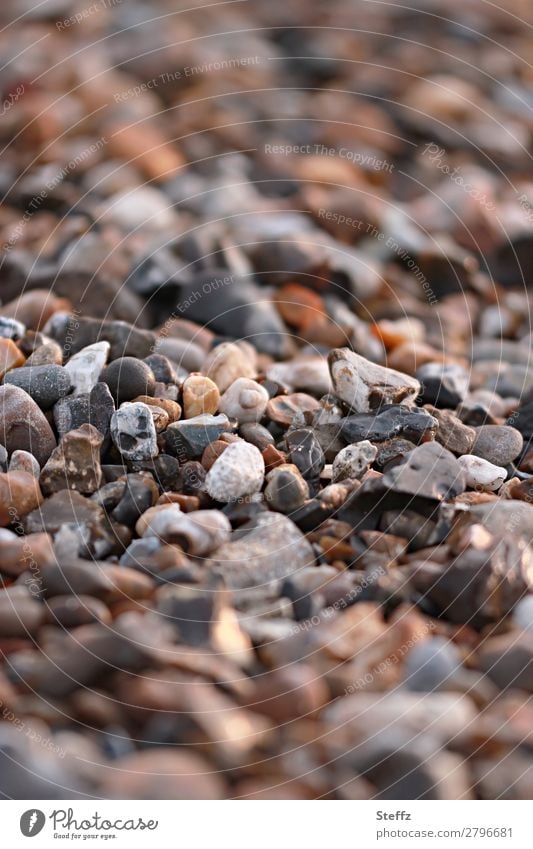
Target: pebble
[499, 444]
[198, 533]
[23, 425]
[49, 353]
[85, 367]
[75, 463]
[171, 408]
[429, 471]
[245, 400]
[226, 363]
[23, 461]
[239, 471]
[269, 549]
[283, 408]
[45, 384]
[162, 368]
[18, 550]
[133, 432]
[128, 377]
[480, 474]
[305, 451]
[72, 611]
[10, 328]
[432, 665]
[353, 461]
[363, 385]
[257, 434]
[189, 438]
[452, 433]
[443, 384]
[20, 614]
[201, 396]
[10, 356]
[286, 489]
[162, 773]
[95, 407]
[390, 421]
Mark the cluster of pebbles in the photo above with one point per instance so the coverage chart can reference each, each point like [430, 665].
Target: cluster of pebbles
[266, 476]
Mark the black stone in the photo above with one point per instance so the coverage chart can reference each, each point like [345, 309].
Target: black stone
[127, 378]
[444, 385]
[189, 438]
[391, 420]
[305, 452]
[45, 384]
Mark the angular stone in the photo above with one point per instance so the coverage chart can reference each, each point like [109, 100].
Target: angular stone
[443, 384]
[23, 425]
[189, 438]
[133, 432]
[452, 433]
[95, 407]
[389, 421]
[75, 463]
[363, 385]
[305, 451]
[353, 461]
[268, 549]
[85, 367]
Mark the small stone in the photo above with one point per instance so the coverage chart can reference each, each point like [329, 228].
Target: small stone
[171, 408]
[286, 490]
[443, 384]
[10, 356]
[23, 425]
[23, 461]
[133, 432]
[155, 520]
[164, 371]
[523, 613]
[431, 665]
[75, 463]
[239, 471]
[390, 421]
[20, 614]
[363, 385]
[85, 367]
[257, 435]
[353, 461]
[95, 407]
[245, 400]
[160, 773]
[18, 551]
[309, 374]
[499, 444]
[48, 353]
[508, 661]
[45, 384]
[268, 548]
[189, 438]
[480, 474]
[283, 408]
[128, 377]
[201, 396]
[452, 433]
[391, 452]
[10, 328]
[503, 517]
[70, 611]
[226, 363]
[305, 452]
[197, 533]
[430, 471]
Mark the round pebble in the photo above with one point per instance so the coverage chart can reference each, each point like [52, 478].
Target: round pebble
[23, 425]
[245, 400]
[499, 444]
[239, 471]
[45, 384]
[286, 490]
[227, 362]
[201, 396]
[128, 377]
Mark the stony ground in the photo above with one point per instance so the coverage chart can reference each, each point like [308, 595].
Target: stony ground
[266, 404]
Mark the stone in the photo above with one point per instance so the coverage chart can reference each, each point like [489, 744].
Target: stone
[256, 434]
[286, 489]
[95, 407]
[10, 356]
[68, 508]
[480, 474]
[283, 408]
[133, 432]
[19, 495]
[431, 665]
[20, 614]
[499, 444]
[23, 425]
[429, 471]
[452, 433]
[389, 421]
[268, 548]
[75, 463]
[189, 438]
[353, 461]
[23, 461]
[198, 533]
[10, 328]
[305, 451]
[505, 517]
[443, 384]
[508, 660]
[45, 384]
[363, 385]
[128, 377]
[162, 773]
[162, 368]
[226, 363]
[239, 471]
[139, 493]
[85, 367]
[245, 400]
[18, 552]
[201, 396]
[49, 353]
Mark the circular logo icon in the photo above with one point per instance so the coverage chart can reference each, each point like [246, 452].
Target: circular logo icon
[32, 822]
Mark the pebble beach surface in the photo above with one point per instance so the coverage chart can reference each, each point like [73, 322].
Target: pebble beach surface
[266, 408]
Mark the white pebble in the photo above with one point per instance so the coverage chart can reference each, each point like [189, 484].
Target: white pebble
[354, 460]
[245, 400]
[133, 431]
[239, 471]
[84, 367]
[480, 474]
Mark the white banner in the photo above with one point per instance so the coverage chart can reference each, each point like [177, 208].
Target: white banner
[268, 824]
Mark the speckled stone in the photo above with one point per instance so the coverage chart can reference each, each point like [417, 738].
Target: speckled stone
[133, 432]
[45, 384]
[75, 463]
[239, 471]
[23, 425]
[499, 444]
[353, 461]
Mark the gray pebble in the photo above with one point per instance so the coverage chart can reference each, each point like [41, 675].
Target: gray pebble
[133, 432]
[499, 444]
[354, 460]
[45, 384]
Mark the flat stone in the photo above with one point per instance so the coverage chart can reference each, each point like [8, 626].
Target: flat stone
[499, 444]
[189, 438]
[45, 384]
[239, 471]
[480, 474]
[133, 432]
[85, 367]
[429, 471]
[23, 425]
[390, 421]
[270, 548]
[363, 385]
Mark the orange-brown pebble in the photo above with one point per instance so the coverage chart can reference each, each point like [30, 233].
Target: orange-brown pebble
[188, 503]
[213, 452]
[200, 396]
[171, 408]
[299, 306]
[10, 356]
[19, 495]
[35, 308]
[273, 457]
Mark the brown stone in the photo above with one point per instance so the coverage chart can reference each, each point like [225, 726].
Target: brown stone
[19, 495]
